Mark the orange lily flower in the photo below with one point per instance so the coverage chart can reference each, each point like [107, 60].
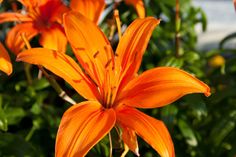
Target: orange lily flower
[42, 17]
[112, 88]
[5, 62]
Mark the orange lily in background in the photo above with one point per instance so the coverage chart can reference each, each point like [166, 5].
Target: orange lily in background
[5, 62]
[92, 9]
[138, 5]
[42, 17]
[234, 1]
[112, 87]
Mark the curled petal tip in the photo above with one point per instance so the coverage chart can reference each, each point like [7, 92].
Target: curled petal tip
[207, 93]
[18, 58]
[137, 152]
[5, 61]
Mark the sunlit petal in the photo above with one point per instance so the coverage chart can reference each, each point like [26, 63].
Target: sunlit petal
[138, 5]
[132, 46]
[11, 17]
[14, 40]
[5, 62]
[161, 86]
[63, 66]
[151, 130]
[54, 38]
[90, 45]
[92, 9]
[82, 126]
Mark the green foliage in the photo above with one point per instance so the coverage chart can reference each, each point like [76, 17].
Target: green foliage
[30, 113]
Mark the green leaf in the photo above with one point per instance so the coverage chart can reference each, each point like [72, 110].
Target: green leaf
[203, 20]
[191, 56]
[40, 84]
[3, 121]
[196, 103]
[223, 128]
[14, 114]
[168, 114]
[168, 2]
[15, 146]
[172, 62]
[187, 132]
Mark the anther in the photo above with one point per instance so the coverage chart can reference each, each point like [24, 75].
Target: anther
[96, 54]
[108, 63]
[118, 23]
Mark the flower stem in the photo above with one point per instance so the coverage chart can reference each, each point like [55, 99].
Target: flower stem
[177, 28]
[51, 79]
[30, 134]
[118, 23]
[126, 150]
[110, 140]
[56, 86]
[27, 73]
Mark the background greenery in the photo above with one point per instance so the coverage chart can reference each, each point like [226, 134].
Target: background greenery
[30, 113]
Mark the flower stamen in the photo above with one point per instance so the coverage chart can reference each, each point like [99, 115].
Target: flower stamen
[118, 23]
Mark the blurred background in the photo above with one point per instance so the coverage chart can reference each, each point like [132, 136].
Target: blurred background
[220, 15]
[200, 127]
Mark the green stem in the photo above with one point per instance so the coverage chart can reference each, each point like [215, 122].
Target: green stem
[57, 87]
[27, 73]
[30, 134]
[51, 80]
[177, 28]
[110, 140]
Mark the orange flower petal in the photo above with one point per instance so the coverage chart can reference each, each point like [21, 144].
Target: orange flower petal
[132, 46]
[58, 13]
[138, 5]
[5, 62]
[52, 10]
[29, 3]
[151, 130]
[54, 38]
[14, 40]
[34, 3]
[11, 17]
[82, 126]
[90, 45]
[92, 9]
[129, 137]
[63, 66]
[161, 86]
